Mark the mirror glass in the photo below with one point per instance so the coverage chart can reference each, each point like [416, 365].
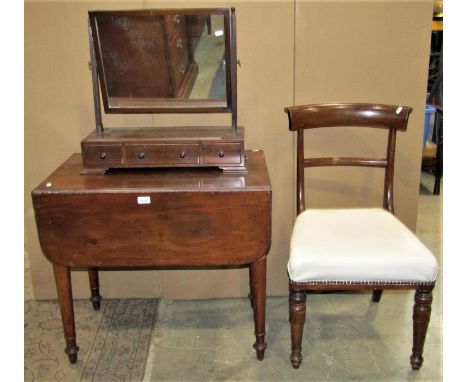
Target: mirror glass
[157, 60]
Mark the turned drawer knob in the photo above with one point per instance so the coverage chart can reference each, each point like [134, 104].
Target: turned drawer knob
[221, 153]
[103, 156]
[182, 154]
[141, 155]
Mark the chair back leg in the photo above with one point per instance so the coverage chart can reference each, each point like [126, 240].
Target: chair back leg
[376, 295]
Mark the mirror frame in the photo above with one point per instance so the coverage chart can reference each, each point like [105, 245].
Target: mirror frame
[167, 105]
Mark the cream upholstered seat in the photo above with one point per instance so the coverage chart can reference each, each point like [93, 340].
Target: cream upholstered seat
[357, 245]
[358, 248]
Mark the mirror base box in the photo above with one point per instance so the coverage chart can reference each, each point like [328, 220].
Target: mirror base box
[188, 146]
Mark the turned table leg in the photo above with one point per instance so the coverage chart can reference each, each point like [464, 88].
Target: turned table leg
[251, 294]
[297, 313]
[94, 286]
[64, 291]
[421, 316]
[258, 290]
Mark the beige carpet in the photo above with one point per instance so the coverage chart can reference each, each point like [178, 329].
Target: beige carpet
[113, 342]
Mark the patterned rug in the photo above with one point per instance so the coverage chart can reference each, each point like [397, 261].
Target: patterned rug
[114, 341]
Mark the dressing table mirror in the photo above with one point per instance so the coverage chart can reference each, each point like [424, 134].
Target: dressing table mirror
[164, 61]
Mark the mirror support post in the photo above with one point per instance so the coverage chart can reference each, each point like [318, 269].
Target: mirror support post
[234, 69]
[94, 75]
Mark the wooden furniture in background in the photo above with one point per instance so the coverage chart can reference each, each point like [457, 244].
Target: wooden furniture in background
[350, 249]
[433, 153]
[154, 218]
[196, 25]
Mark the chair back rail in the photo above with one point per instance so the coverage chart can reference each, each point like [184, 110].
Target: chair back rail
[391, 117]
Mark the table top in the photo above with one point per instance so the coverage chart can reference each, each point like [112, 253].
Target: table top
[67, 179]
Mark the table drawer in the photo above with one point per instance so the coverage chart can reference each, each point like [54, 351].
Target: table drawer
[102, 155]
[155, 154]
[222, 153]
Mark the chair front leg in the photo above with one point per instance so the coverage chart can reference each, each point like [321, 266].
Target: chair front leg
[421, 317]
[297, 312]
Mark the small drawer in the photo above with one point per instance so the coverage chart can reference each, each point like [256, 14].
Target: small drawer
[102, 156]
[156, 154]
[222, 153]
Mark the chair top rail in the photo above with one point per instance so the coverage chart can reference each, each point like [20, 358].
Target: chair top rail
[348, 114]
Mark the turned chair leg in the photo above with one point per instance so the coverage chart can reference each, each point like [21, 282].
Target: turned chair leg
[376, 295]
[421, 317]
[297, 312]
[94, 286]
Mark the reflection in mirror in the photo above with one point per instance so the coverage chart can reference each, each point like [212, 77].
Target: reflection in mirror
[169, 59]
[207, 35]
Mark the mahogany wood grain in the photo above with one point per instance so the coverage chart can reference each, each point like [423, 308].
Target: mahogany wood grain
[164, 147]
[389, 171]
[343, 161]
[123, 105]
[194, 218]
[146, 154]
[348, 114]
[300, 195]
[232, 58]
[95, 81]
